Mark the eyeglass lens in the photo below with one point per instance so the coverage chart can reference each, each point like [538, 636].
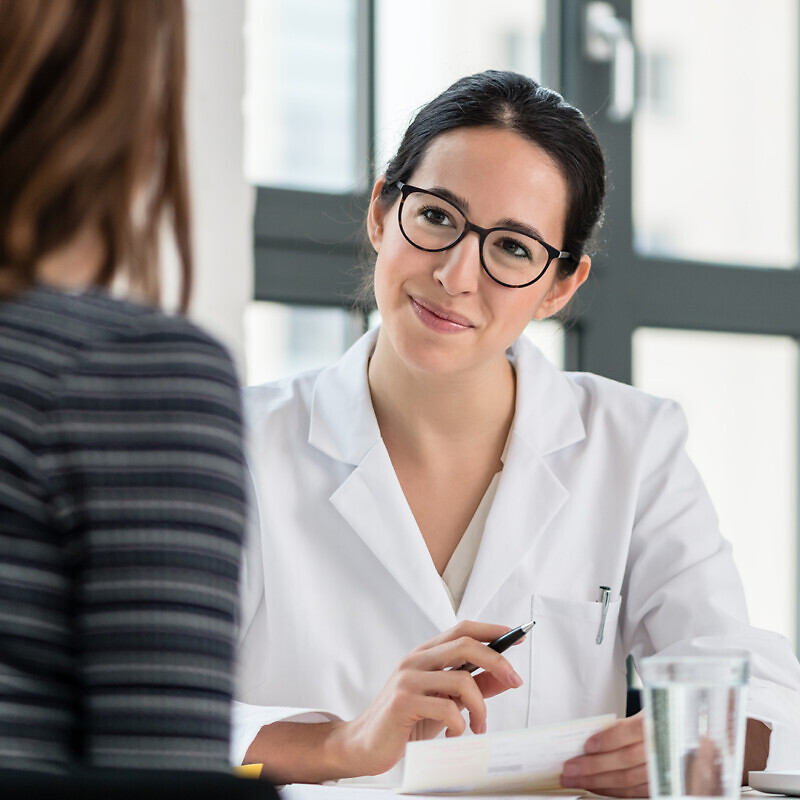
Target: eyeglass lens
[431, 223]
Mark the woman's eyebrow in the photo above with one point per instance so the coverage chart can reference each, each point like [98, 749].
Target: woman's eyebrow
[463, 205]
[520, 227]
[460, 202]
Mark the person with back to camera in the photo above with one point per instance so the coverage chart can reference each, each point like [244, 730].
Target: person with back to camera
[122, 502]
[443, 477]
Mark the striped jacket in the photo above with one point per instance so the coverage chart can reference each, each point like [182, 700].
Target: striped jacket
[121, 521]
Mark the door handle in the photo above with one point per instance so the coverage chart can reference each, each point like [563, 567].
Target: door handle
[607, 38]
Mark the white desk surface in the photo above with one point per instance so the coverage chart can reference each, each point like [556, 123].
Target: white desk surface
[309, 791]
[312, 791]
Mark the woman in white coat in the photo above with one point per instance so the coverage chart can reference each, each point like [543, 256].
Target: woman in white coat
[443, 483]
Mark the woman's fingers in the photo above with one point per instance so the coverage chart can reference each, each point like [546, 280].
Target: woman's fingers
[622, 733]
[625, 767]
[490, 685]
[454, 653]
[427, 693]
[479, 631]
[630, 782]
[623, 759]
[441, 709]
[462, 691]
[614, 761]
[614, 787]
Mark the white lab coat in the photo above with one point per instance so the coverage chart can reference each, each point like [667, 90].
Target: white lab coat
[596, 489]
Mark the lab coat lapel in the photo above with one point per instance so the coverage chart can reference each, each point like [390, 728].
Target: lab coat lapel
[370, 499]
[373, 503]
[529, 495]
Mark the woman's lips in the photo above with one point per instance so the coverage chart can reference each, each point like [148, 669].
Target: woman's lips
[438, 319]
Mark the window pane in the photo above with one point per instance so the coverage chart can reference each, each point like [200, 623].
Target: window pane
[423, 46]
[715, 132]
[281, 340]
[300, 94]
[739, 393]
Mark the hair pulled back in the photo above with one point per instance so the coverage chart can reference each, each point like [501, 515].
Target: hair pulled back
[510, 101]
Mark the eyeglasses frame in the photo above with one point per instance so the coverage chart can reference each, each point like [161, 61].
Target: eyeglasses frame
[553, 253]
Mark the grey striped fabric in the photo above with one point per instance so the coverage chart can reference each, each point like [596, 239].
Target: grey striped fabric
[121, 522]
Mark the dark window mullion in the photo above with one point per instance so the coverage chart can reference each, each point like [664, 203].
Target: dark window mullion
[309, 246]
[708, 297]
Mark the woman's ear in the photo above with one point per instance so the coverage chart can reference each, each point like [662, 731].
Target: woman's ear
[376, 215]
[563, 289]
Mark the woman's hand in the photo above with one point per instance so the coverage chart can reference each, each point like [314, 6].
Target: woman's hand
[613, 763]
[425, 694]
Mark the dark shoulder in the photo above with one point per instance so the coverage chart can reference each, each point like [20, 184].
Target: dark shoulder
[53, 333]
[102, 395]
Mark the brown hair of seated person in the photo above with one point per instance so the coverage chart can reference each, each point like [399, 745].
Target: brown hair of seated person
[92, 138]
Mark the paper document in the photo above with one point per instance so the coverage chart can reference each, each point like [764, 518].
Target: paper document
[528, 759]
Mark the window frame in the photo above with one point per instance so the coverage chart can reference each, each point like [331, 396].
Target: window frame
[629, 290]
[626, 290]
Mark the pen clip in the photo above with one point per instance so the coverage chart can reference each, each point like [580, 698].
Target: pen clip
[604, 599]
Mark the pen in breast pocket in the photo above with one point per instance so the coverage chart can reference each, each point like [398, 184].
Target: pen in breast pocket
[502, 643]
[604, 599]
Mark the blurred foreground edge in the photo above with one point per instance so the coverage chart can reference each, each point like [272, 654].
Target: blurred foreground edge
[107, 784]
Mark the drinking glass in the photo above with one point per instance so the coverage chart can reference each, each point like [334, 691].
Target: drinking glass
[694, 724]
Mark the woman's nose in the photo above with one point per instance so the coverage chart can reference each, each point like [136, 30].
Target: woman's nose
[459, 269]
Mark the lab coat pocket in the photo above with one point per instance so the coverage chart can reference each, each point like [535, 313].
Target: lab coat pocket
[572, 675]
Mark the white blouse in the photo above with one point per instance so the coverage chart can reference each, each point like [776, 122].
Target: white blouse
[456, 574]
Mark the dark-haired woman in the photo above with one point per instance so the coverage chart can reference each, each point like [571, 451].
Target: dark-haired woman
[122, 503]
[443, 478]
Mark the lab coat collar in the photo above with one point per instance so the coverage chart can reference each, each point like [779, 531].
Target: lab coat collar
[547, 417]
[343, 425]
[529, 495]
[370, 500]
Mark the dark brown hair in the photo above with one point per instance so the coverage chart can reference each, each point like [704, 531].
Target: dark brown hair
[514, 102]
[92, 135]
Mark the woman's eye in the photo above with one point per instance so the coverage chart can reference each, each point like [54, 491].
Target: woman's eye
[436, 216]
[514, 248]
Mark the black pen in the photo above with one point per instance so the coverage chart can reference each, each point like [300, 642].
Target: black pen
[502, 643]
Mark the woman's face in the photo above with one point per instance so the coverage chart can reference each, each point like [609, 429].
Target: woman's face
[441, 311]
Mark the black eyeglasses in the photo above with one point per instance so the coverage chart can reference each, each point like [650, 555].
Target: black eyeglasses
[432, 223]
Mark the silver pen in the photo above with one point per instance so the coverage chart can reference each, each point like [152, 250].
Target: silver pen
[604, 599]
